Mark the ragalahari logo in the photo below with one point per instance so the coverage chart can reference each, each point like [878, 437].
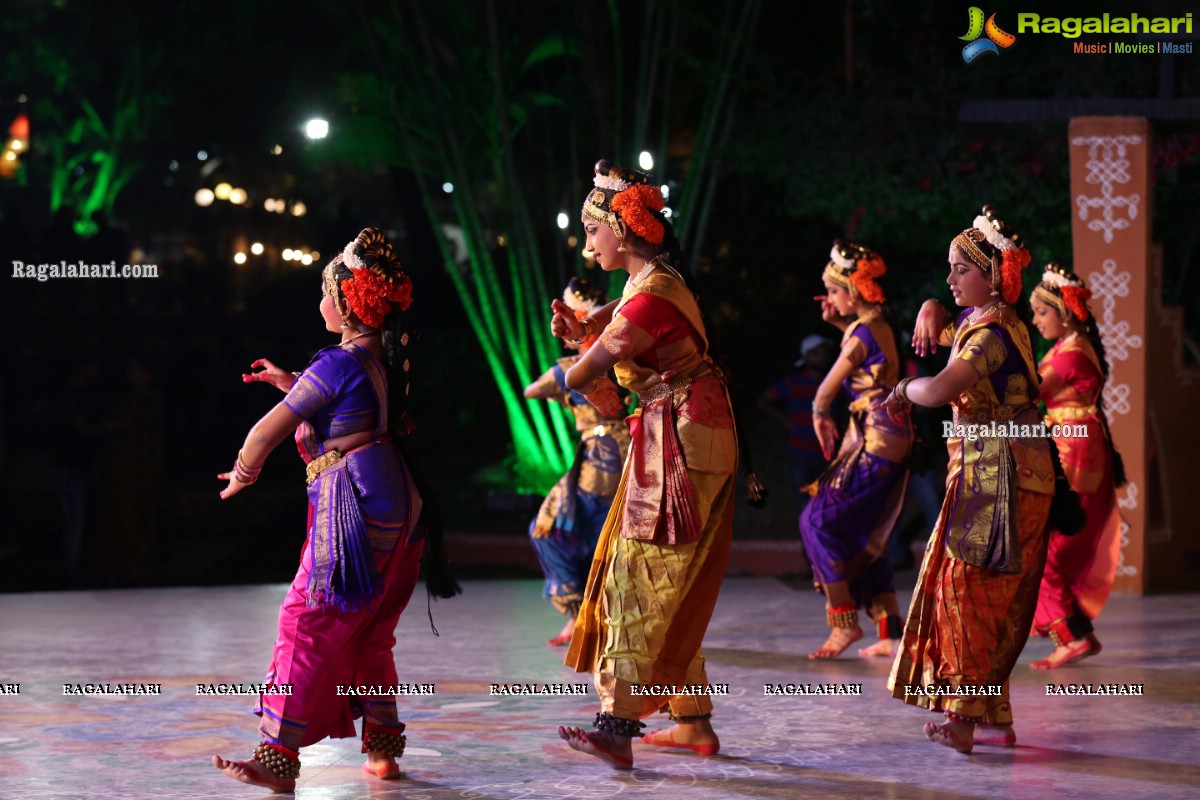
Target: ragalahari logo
[976, 27]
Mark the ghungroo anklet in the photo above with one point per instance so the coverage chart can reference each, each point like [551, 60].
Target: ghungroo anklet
[384, 740]
[1061, 633]
[842, 616]
[280, 761]
[953, 717]
[618, 726]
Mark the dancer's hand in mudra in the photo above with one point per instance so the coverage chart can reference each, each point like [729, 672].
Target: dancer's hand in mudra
[563, 324]
[280, 378]
[827, 435]
[234, 486]
[896, 408]
[604, 396]
[929, 327]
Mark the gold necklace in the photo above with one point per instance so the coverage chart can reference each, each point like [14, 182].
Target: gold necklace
[345, 342]
[647, 268]
[987, 312]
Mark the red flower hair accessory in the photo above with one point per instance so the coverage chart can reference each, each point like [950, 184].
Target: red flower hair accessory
[1011, 264]
[635, 205]
[1075, 298]
[868, 266]
[856, 266]
[372, 298]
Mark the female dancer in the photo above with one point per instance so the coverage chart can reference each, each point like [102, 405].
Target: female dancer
[566, 528]
[360, 562]
[1080, 569]
[858, 498]
[973, 604]
[661, 556]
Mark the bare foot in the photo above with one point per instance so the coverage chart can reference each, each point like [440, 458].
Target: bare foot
[1002, 735]
[884, 647]
[699, 737]
[253, 773]
[616, 751]
[564, 636]
[382, 766]
[839, 639]
[959, 735]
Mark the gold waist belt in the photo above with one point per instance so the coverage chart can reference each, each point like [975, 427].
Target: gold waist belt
[1003, 413]
[321, 462]
[1060, 413]
[660, 391]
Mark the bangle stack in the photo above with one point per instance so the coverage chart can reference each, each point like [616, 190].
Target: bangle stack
[820, 412]
[243, 473]
[900, 392]
[585, 330]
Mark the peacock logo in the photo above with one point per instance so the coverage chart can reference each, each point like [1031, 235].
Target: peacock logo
[976, 27]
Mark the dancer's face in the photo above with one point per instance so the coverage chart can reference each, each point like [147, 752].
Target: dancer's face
[602, 243]
[1046, 319]
[843, 303]
[329, 312]
[967, 282]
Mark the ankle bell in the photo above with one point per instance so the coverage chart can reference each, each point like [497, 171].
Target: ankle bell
[842, 616]
[280, 761]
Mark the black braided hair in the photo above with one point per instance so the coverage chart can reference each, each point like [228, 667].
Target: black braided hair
[378, 255]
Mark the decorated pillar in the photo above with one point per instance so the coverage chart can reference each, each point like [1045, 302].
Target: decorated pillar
[1110, 192]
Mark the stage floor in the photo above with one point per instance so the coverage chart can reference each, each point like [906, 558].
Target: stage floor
[466, 743]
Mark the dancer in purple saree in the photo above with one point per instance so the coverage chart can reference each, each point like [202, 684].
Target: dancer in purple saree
[857, 500]
[362, 556]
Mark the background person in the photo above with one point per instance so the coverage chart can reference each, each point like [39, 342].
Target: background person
[858, 498]
[567, 525]
[1080, 569]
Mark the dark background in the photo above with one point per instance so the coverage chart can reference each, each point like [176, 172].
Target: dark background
[122, 399]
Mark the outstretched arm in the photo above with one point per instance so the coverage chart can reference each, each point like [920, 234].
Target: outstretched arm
[279, 378]
[264, 437]
[544, 387]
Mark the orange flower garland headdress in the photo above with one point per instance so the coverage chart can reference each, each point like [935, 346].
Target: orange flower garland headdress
[855, 267]
[1065, 291]
[626, 195]
[378, 285]
[1007, 257]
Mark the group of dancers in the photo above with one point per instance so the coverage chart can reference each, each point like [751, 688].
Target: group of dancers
[634, 540]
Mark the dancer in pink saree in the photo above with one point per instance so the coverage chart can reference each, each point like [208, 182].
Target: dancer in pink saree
[1080, 569]
[362, 556]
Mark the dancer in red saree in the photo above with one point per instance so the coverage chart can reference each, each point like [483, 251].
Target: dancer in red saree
[1080, 569]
